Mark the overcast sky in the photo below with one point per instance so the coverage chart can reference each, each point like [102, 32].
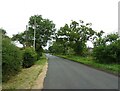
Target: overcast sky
[103, 14]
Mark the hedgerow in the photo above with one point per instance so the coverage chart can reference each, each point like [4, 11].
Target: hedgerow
[11, 59]
[108, 53]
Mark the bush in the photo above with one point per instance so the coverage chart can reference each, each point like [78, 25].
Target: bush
[118, 51]
[108, 53]
[99, 54]
[11, 59]
[29, 57]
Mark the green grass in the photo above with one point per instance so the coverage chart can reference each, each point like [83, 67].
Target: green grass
[112, 68]
[26, 78]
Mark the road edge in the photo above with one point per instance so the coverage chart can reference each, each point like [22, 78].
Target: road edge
[38, 84]
[106, 71]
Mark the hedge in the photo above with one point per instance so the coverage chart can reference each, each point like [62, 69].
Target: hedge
[29, 57]
[108, 53]
[11, 59]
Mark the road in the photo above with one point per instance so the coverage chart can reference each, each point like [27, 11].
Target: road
[65, 74]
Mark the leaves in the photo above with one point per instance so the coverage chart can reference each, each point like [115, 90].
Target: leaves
[74, 36]
[77, 35]
[11, 59]
[44, 31]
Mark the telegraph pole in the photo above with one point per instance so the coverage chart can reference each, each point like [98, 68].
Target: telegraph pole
[34, 32]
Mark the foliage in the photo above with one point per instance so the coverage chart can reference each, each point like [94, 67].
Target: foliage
[29, 57]
[20, 37]
[75, 36]
[44, 29]
[97, 39]
[11, 59]
[109, 52]
[3, 33]
[57, 48]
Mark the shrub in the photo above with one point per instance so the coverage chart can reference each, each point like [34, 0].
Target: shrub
[11, 59]
[29, 57]
[97, 53]
[118, 51]
[108, 53]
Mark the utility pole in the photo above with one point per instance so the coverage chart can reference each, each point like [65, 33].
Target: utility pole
[34, 32]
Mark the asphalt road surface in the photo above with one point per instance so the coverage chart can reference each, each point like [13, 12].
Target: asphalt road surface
[65, 74]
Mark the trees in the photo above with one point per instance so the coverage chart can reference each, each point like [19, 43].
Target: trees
[3, 33]
[97, 39]
[44, 29]
[108, 51]
[57, 48]
[25, 38]
[76, 35]
[21, 38]
[73, 38]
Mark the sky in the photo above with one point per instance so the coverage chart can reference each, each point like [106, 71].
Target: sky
[103, 14]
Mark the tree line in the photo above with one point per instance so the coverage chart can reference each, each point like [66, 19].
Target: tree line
[70, 39]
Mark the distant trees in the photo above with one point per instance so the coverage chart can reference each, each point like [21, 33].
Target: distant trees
[57, 48]
[71, 39]
[75, 36]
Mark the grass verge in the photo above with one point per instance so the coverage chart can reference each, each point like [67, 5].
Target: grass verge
[26, 78]
[89, 61]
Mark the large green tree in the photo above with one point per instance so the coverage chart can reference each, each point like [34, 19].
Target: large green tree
[76, 34]
[44, 29]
